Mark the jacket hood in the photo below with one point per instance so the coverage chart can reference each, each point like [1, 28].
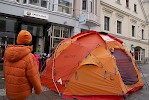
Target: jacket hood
[14, 53]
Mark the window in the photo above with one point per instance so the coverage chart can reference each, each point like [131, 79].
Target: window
[34, 30]
[18, 0]
[133, 31]
[127, 3]
[96, 7]
[142, 34]
[119, 27]
[84, 3]
[66, 32]
[34, 2]
[24, 1]
[44, 3]
[41, 3]
[92, 6]
[59, 33]
[65, 6]
[135, 8]
[118, 1]
[30, 29]
[106, 23]
[7, 24]
[2, 25]
[39, 31]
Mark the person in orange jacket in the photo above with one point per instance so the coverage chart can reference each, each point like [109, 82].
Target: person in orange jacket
[20, 69]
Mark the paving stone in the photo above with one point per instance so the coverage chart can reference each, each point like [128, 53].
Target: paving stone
[47, 94]
[3, 98]
[2, 92]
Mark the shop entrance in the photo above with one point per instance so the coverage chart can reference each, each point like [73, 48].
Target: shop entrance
[37, 37]
[3, 44]
[8, 27]
[139, 54]
[6, 38]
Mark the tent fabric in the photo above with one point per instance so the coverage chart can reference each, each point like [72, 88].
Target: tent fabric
[83, 66]
[120, 41]
[95, 97]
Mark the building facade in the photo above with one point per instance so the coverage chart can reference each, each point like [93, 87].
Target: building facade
[126, 19]
[146, 7]
[49, 21]
[87, 15]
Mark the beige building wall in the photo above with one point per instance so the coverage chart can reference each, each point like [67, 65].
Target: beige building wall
[146, 8]
[117, 11]
[92, 17]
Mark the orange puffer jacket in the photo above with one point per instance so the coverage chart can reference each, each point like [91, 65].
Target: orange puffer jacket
[20, 71]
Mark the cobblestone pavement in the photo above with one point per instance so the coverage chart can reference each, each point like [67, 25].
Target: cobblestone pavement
[142, 94]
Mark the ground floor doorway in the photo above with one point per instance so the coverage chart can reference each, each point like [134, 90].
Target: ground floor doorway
[139, 54]
[37, 36]
[8, 27]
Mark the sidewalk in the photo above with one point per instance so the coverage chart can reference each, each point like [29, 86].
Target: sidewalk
[46, 95]
[142, 94]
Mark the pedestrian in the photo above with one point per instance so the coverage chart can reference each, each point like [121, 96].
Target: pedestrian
[39, 50]
[20, 69]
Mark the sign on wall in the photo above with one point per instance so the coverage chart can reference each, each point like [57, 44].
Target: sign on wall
[35, 14]
[82, 18]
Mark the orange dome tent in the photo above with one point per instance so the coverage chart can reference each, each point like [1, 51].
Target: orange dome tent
[84, 67]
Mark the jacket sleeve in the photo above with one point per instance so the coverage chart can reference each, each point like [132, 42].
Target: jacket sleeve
[33, 74]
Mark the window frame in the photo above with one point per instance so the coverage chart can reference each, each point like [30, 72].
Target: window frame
[142, 33]
[127, 3]
[84, 4]
[135, 8]
[106, 23]
[92, 6]
[119, 27]
[39, 4]
[96, 7]
[118, 1]
[64, 6]
[55, 39]
[133, 31]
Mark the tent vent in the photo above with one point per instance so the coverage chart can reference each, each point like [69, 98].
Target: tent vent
[111, 78]
[66, 84]
[61, 51]
[114, 70]
[105, 73]
[76, 75]
[101, 63]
